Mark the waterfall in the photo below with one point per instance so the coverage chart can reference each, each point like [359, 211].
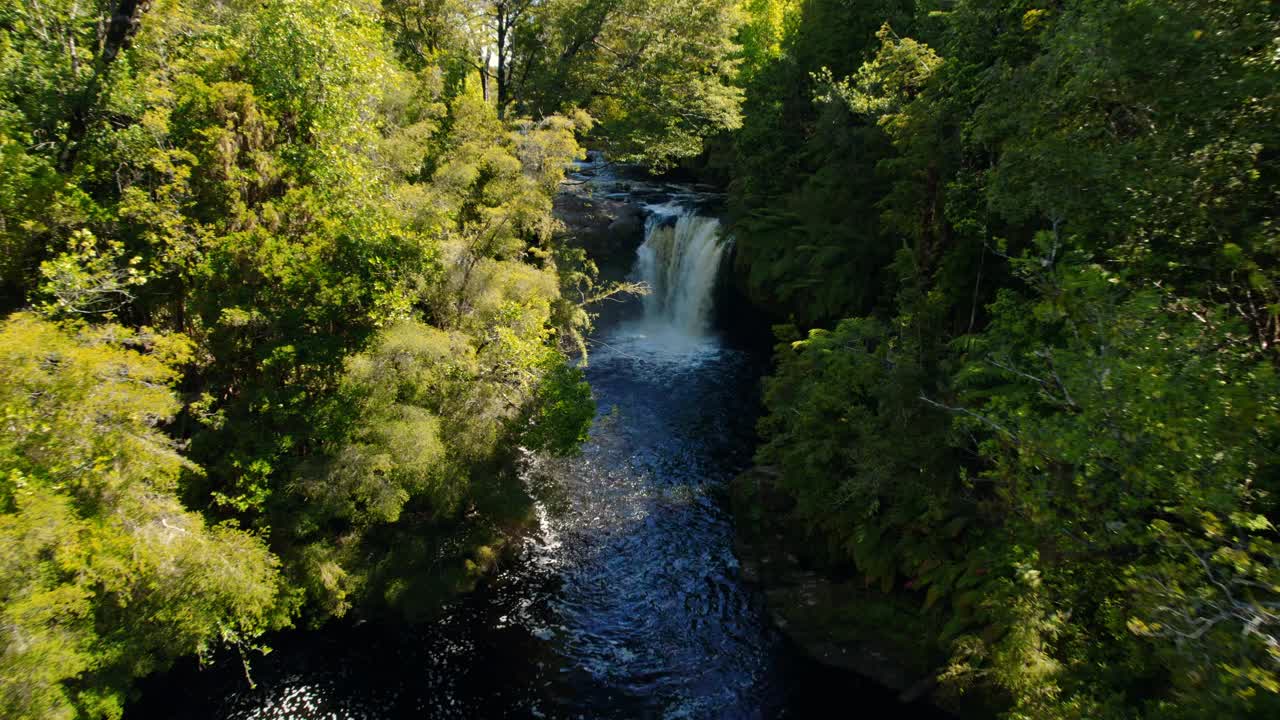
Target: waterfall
[679, 262]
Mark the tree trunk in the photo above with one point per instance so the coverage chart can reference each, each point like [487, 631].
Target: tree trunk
[503, 18]
[122, 26]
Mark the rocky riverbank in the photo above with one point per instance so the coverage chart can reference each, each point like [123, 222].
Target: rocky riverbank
[838, 621]
[609, 230]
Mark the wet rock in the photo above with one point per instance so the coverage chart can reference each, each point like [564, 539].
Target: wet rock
[609, 230]
[627, 226]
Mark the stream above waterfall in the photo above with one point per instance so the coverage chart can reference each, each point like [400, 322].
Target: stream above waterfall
[625, 601]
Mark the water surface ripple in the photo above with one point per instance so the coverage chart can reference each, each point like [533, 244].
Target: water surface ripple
[625, 602]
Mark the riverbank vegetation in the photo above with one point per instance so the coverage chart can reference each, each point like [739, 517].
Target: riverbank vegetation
[285, 304]
[1024, 255]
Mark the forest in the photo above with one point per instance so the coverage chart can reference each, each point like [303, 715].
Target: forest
[286, 305]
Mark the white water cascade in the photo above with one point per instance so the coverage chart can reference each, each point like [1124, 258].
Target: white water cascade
[679, 262]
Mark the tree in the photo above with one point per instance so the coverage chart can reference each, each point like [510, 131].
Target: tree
[1074, 335]
[106, 577]
[273, 183]
[657, 76]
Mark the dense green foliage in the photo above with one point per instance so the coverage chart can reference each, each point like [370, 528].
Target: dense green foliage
[657, 75]
[287, 304]
[105, 575]
[1045, 238]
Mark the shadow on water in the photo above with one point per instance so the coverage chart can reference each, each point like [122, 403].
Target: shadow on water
[625, 603]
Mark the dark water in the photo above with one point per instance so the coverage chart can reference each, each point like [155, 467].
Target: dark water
[626, 602]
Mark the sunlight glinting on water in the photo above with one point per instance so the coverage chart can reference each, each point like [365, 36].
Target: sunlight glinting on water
[625, 599]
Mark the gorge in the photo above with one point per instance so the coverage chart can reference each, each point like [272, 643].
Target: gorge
[327, 389]
[625, 600]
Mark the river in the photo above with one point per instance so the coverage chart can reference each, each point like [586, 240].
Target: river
[626, 601]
